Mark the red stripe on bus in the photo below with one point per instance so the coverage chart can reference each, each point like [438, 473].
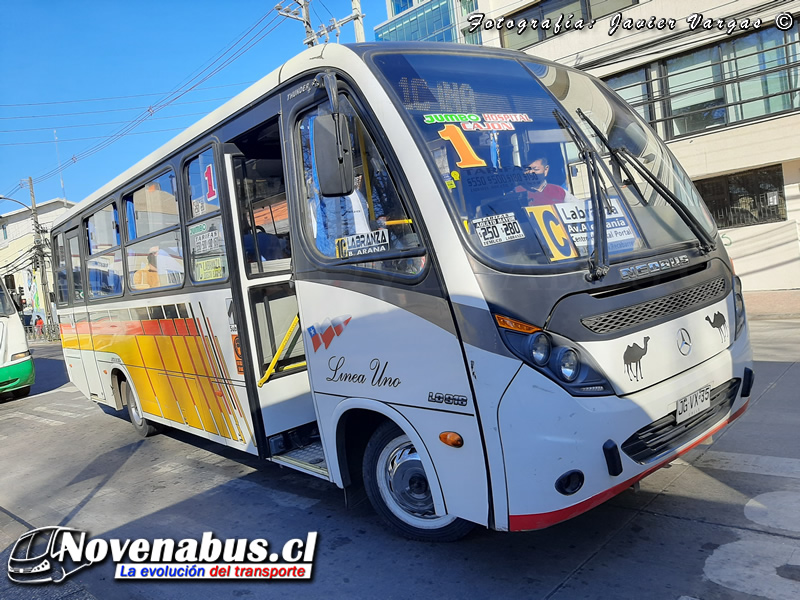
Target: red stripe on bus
[192, 327]
[168, 327]
[542, 520]
[180, 327]
[151, 327]
[83, 327]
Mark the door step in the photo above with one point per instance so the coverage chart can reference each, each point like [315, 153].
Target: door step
[310, 459]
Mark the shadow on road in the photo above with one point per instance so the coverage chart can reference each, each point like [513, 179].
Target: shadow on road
[51, 374]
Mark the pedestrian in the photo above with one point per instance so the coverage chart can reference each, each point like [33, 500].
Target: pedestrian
[39, 324]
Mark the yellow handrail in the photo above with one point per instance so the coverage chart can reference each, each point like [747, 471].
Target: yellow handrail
[271, 369]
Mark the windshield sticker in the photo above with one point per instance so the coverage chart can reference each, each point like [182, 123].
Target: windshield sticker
[467, 157]
[450, 118]
[363, 243]
[554, 231]
[496, 229]
[579, 220]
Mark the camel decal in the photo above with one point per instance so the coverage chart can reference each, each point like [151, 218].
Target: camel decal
[633, 360]
[720, 325]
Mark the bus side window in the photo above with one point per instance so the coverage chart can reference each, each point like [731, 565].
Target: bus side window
[208, 258]
[261, 194]
[369, 222]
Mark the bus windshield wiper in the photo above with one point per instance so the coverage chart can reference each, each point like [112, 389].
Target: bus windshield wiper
[598, 264]
[622, 155]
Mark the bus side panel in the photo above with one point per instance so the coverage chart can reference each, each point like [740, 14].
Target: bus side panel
[72, 352]
[361, 346]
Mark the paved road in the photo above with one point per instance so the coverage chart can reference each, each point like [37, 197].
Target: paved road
[722, 523]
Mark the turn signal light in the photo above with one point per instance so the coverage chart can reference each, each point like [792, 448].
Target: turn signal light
[19, 355]
[514, 325]
[451, 438]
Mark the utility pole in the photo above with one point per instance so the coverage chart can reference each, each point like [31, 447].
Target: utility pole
[39, 254]
[314, 37]
[358, 21]
[305, 19]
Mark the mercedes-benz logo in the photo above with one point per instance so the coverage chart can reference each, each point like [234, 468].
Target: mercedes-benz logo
[684, 342]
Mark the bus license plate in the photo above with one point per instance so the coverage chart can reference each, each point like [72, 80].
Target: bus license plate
[694, 403]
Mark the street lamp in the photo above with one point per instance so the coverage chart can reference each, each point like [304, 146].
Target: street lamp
[38, 251]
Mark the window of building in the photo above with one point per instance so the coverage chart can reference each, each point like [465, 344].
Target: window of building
[207, 256]
[399, 6]
[745, 198]
[104, 261]
[5, 232]
[696, 99]
[154, 249]
[431, 21]
[549, 11]
[742, 78]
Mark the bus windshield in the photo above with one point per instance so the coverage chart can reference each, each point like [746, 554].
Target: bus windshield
[526, 173]
[7, 307]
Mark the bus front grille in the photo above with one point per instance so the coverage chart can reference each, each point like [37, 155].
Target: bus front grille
[665, 434]
[638, 314]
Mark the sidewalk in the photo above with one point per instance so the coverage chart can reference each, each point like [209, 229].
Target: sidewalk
[774, 304]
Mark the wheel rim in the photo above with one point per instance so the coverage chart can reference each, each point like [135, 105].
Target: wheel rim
[404, 486]
[136, 412]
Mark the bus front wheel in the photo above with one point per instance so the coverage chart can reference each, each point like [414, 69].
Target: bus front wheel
[142, 426]
[397, 486]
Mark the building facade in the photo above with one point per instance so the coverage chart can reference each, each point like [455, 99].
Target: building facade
[428, 21]
[20, 270]
[719, 81]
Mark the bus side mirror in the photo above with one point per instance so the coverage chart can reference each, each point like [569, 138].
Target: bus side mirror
[333, 155]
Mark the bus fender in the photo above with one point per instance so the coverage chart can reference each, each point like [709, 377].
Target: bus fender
[116, 371]
[333, 443]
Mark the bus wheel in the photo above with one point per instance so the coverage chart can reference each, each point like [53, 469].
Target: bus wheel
[142, 426]
[398, 489]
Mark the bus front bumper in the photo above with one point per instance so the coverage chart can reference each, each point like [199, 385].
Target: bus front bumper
[547, 435]
[17, 375]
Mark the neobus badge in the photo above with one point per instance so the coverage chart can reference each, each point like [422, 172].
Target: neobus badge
[653, 267]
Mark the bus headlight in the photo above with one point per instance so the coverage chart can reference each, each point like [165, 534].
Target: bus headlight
[539, 345]
[569, 365]
[738, 304]
[19, 355]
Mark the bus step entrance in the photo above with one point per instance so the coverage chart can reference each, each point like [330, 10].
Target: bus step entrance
[309, 458]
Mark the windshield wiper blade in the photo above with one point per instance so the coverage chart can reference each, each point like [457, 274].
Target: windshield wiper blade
[598, 265]
[707, 243]
[615, 153]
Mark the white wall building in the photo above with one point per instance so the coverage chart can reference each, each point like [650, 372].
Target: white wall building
[17, 252]
[727, 101]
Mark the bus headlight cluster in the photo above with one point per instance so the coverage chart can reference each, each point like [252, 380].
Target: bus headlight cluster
[569, 365]
[540, 347]
[565, 360]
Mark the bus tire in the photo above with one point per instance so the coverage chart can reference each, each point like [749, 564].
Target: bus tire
[21, 392]
[397, 486]
[142, 426]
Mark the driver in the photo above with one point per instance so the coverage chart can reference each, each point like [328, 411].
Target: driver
[539, 192]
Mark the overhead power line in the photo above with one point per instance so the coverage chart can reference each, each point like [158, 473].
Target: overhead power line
[221, 60]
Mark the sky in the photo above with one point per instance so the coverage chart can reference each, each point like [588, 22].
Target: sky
[89, 70]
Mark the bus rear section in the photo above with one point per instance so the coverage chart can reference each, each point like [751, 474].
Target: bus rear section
[17, 372]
